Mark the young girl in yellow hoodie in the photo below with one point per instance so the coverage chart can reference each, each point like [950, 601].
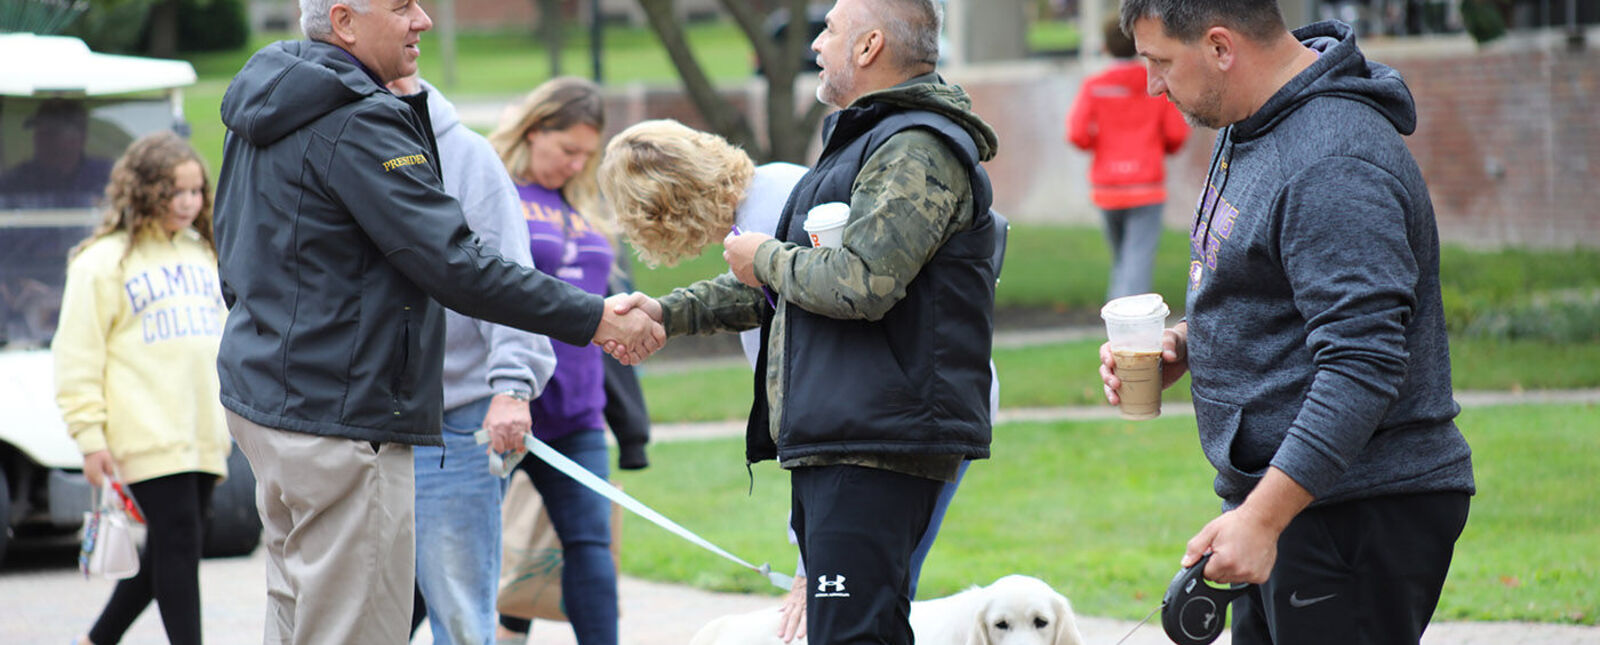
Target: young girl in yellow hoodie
[136, 378]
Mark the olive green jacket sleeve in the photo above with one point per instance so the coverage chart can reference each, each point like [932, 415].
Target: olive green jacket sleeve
[708, 306]
[909, 198]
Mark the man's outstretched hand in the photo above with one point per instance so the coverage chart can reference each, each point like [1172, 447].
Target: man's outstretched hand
[630, 328]
[624, 302]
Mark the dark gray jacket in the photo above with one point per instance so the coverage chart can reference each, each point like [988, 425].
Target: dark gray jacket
[1316, 333]
[337, 244]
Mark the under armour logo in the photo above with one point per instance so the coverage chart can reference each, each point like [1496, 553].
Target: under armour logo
[836, 584]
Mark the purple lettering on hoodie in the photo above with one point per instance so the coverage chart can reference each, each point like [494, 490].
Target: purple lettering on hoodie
[564, 245]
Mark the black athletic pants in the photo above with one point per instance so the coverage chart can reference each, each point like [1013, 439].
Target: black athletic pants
[174, 508]
[1366, 572]
[857, 528]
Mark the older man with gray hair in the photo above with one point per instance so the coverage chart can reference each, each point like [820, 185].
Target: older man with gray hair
[337, 243]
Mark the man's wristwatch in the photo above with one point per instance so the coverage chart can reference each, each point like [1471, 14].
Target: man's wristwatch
[520, 395]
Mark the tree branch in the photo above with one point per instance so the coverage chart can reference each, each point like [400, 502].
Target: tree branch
[752, 25]
[721, 115]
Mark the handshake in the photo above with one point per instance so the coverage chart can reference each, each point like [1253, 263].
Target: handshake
[630, 328]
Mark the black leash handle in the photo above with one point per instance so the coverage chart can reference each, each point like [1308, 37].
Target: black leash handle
[1193, 612]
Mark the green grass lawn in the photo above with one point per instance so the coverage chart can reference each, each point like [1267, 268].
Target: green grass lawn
[1101, 510]
[1053, 36]
[1064, 268]
[1528, 552]
[1065, 374]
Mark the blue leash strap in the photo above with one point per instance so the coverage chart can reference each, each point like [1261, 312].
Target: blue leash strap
[572, 469]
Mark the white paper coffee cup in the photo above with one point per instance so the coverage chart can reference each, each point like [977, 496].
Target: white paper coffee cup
[825, 224]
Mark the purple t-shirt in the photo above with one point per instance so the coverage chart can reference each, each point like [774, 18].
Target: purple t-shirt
[565, 246]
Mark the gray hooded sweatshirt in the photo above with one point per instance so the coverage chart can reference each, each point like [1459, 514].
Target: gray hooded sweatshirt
[482, 358]
[1316, 334]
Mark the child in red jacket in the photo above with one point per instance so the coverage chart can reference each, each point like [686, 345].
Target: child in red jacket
[1129, 132]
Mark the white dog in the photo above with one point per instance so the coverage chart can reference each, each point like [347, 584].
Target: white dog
[1015, 610]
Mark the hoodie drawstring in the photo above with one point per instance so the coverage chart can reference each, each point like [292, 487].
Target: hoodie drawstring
[1219, 157]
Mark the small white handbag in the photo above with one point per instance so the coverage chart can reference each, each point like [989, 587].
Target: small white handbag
[110, 536]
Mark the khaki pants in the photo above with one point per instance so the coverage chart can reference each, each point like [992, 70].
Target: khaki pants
[338, 525]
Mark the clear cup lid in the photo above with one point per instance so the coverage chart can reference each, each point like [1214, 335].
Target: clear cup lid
[1140, 307]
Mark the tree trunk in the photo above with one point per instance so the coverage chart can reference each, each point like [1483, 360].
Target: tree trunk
[163, 33]
[550, 31]
[791, 134]
[723, 117]
[789, 127]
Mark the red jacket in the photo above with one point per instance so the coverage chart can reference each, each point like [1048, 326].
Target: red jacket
[1128, 131]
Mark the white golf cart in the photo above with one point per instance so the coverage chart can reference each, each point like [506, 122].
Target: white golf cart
[65, 114]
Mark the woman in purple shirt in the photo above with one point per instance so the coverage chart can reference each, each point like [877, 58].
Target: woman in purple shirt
[549, 143]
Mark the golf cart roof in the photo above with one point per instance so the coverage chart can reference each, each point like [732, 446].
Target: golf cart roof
[64, 66]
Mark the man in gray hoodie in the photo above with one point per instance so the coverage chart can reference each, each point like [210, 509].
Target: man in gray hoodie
[490, 373]
[1315, 334]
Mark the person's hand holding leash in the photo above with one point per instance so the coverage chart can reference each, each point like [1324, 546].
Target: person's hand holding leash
[1243, 542]
[507, 420]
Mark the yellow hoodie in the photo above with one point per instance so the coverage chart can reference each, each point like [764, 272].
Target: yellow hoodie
[136, 355]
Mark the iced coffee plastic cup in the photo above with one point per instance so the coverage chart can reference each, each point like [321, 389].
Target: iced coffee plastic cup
[825, 224]
[1134, 325]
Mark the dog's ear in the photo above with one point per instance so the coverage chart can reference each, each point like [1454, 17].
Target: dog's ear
[1066, 622]
[979, 634]
[707, 635]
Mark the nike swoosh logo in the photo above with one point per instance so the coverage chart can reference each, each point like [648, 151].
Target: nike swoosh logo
[1297, 602]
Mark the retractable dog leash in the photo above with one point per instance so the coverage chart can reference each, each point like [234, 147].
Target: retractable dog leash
[1193, 611]
[500, 467]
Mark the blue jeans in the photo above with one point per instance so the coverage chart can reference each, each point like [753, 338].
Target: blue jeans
[458, 531]
[1133, 235]
[946, 493]
[582, 519]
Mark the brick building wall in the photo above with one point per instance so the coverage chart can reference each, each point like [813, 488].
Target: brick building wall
[1510, 144]
[499, 15]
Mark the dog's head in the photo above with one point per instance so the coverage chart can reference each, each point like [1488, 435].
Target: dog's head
[1022, 610]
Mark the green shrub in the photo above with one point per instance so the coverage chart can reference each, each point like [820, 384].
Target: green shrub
[39, 16]
[1567, 316]
[1483, 19]
[1480, 285]
[212, 25]
[113, 26]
